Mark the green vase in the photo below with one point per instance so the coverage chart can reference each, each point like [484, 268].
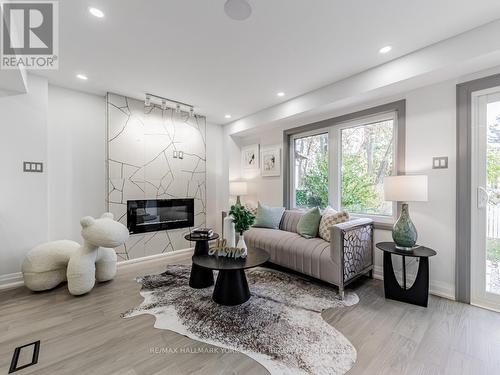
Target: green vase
[404, 232]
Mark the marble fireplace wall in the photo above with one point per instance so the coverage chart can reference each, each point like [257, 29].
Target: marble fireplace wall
[141, 165]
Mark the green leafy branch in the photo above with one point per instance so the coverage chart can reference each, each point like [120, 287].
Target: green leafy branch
[242, 218]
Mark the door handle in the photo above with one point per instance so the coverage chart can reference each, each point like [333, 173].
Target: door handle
[482, 197]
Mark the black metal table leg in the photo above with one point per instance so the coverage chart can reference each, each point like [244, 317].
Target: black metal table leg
[418, 294]
[201, 277]
[231, 288]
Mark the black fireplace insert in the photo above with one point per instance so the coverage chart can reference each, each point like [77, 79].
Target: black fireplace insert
[152, 215]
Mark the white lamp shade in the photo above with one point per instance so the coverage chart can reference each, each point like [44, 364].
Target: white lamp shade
[405, 188]
[238, 188]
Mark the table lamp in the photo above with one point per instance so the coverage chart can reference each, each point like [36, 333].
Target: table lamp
[238, 188]
[405, 189]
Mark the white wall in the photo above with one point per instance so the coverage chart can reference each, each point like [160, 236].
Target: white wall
[66, 130]
[76, 160]
[430, 131]
[23, 196]
[265, 189]
[215, 180]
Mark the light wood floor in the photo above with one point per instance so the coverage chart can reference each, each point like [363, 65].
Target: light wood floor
[85, 335]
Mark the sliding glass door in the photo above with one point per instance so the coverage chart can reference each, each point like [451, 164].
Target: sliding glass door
[485, 264]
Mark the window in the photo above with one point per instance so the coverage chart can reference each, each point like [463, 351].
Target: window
[367, 156]
[311, 170]
[343, 164]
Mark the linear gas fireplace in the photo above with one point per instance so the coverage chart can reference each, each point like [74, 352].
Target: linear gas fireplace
[153, 215]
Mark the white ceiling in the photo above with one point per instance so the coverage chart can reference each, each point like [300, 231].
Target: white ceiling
[189, 50]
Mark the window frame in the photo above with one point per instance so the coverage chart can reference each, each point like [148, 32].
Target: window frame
[388, 116]
[395, 111]
[292, 200]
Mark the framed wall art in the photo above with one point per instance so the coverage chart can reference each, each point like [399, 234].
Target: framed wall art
[271, 161]
[250, 157]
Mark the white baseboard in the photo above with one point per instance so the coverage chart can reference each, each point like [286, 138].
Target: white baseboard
[153, 257]
[14, 280]
[436, 288]
[11, 280]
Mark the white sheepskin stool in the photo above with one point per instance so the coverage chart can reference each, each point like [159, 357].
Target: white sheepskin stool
[45, 265]
[49, 264]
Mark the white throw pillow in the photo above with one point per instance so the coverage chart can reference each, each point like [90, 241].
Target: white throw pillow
[328, 219]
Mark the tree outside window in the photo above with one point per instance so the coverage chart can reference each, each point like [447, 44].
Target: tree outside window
[311, 171]
[366, 158]
[366, 154]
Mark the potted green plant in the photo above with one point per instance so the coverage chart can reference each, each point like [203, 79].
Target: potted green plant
[242, 219]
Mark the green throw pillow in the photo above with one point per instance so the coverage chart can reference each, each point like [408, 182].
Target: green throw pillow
[268, 217]
[308, 224]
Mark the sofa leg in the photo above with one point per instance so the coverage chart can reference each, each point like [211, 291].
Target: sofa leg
[341, 292]
[370, 274]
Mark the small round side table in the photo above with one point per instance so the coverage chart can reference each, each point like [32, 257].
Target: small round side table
[418, 294]
[201, 277]
[231, 287]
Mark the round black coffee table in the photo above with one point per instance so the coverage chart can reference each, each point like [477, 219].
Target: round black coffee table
[201, 277]
[418, 294]
[231, 287]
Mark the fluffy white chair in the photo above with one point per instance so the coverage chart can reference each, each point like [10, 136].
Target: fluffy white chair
[51, 263]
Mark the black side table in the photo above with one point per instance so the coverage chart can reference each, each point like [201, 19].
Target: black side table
[418, 294]
[201, 277]
[231, 287]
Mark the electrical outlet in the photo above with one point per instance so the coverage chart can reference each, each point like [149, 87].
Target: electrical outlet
[440, 162]
[181, 154]
[33, 166]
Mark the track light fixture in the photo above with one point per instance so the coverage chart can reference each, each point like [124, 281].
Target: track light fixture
[151, 99]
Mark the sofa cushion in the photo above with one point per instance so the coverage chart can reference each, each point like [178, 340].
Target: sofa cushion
[268, 217]
[309, 256]
[329, 219]
[308, 224]
[290, 220]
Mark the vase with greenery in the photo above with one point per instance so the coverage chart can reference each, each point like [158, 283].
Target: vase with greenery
[242, 219]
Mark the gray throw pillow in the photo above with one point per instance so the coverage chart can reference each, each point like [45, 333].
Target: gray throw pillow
[308, 224]
[268, 217]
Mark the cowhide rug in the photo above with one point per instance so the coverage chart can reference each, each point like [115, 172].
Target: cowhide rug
[280, 326]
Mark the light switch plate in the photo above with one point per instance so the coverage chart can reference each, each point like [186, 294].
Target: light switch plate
[33, 166]
[440, 162]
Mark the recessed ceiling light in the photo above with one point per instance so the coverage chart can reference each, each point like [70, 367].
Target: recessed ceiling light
[280, 94]
[227, 116]
[238, 10]
[82, 77]
[96, 12]
[385, 49]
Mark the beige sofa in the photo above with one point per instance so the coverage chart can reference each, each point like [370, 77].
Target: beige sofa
[339, 262]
